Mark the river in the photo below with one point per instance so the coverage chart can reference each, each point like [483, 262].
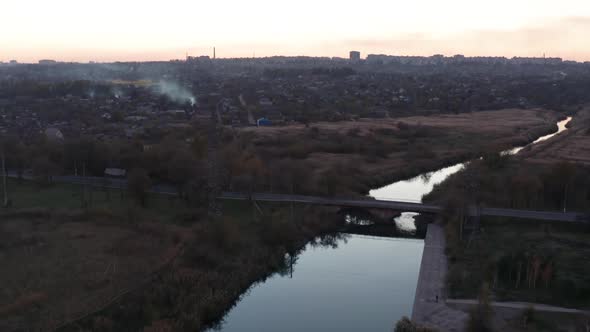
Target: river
[365, 284]
[414, 189]
[361, 284]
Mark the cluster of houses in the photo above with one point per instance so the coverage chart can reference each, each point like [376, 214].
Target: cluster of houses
[265, 92]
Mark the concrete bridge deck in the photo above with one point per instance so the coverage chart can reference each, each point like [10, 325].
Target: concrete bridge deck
[334, 201]
[405, 206]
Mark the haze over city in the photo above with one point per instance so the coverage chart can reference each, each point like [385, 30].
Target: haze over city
[312, 165]
[68, 30]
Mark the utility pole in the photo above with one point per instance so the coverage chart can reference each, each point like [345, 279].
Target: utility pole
[213, 138]
[4, 178]
[292, 193]
[565, 197]
[84, 185]
[473, 209]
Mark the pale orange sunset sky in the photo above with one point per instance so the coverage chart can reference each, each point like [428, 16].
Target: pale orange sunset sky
[108, 30]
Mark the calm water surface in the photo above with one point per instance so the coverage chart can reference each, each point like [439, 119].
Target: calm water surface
[561, 127]
[365, 284]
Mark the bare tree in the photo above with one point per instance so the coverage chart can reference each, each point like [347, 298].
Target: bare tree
[5, 190]
[138, 184]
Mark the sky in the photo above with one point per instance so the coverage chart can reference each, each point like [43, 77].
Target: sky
[140, 30]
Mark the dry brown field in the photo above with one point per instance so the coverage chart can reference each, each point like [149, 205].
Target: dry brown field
[54, 270]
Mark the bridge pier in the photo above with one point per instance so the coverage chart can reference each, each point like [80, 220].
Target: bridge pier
[377, 216]
[384, 214]
[471, 223]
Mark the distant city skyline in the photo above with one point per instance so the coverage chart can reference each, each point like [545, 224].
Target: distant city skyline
[68, 30]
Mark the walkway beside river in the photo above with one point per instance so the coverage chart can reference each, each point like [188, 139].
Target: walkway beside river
[429, 303]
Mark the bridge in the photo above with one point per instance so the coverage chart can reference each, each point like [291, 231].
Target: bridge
[360, 202]
[405, 206]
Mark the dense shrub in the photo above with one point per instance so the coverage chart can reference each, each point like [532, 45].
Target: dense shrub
[406, 325]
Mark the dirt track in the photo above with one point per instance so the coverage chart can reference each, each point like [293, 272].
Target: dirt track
[509, 121]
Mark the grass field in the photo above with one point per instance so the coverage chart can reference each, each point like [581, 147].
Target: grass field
[60, 196]
[56, 267]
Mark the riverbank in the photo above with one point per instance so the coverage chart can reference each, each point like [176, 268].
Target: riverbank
[430, 308]
[225, 258]
[374, 153]
[529, 261]
[428, 313]
[571, 146]
[500, 138]
[125, 285]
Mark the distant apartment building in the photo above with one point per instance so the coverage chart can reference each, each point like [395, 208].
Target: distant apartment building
[198, 59]
[539, 61]
[47, 62]
[381, 59]
[355, 56]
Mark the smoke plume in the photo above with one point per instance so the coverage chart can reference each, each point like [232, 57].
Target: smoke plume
[175, 92]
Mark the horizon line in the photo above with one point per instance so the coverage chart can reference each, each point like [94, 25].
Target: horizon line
[58, 61]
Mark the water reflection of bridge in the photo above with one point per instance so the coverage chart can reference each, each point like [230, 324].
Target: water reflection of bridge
[370, 203]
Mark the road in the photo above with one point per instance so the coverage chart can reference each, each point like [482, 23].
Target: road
[406, 206]
[100, 182]
[251, 119]
[344, 202]
[367, 202]
[537, 215]
[517, 305]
